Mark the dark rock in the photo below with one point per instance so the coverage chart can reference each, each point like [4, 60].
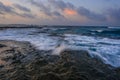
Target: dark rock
[74, 55]
[49, 76]
[1, 66]
[2, 45]
[69, 65]
[19, 75]
[52, 58]
[118, 72]
[40, 62]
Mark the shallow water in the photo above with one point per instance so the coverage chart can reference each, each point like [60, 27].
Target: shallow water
[101, 42]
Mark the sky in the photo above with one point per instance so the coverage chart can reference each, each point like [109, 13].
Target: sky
[60, 12]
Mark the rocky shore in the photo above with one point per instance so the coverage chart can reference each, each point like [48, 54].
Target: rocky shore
[22, 61]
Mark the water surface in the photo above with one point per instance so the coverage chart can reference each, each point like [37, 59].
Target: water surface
[101, 42]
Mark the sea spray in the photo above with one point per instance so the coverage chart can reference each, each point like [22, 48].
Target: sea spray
[59, 48]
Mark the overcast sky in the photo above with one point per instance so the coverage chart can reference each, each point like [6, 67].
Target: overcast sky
[60, 12]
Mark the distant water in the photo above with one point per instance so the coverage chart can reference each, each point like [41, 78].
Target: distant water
[101, 42]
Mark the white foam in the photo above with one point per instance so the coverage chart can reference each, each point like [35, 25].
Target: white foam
[58, 49]
[42, 41]
[109, 52]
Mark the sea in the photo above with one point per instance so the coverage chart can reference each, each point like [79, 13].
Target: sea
[102, 42]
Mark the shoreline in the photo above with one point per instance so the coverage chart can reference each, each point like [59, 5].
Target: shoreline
[25, 62]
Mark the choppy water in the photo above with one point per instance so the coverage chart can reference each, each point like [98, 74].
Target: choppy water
[101, 42]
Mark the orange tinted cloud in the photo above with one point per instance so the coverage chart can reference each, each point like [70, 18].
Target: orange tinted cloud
[69, 11]
[7, 2]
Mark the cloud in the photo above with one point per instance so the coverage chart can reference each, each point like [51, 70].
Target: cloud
[26, 15]
[66, 8]
[1, 12]
[56, 13]
[59, 4]
[22, 8]
[59, 11]
[6, 9]
[54, 7]
[114, 14]
[41, 6]
[69, 11]
[91, 15]
[46, 9]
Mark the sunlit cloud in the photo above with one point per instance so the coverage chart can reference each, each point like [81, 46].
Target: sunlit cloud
[69, 11]
[8, 3]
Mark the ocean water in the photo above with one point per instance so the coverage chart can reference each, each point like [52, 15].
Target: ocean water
[100, 42]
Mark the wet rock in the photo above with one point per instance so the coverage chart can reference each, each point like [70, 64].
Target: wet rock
[52, 58]
[2, 45]
[48, 76]
[41, 62]
[19, 74]
[1, 66]
[28, 63]
[80, 77]
[118, 72]
[84, 63]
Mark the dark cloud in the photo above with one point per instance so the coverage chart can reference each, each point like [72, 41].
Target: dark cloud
[26, 15]
[90, 15]
[46, 9]
[59, 4]
[42, 7]
[22, 8]
[11, 10]
[6, 9]
[114, 14]
[56, 13]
